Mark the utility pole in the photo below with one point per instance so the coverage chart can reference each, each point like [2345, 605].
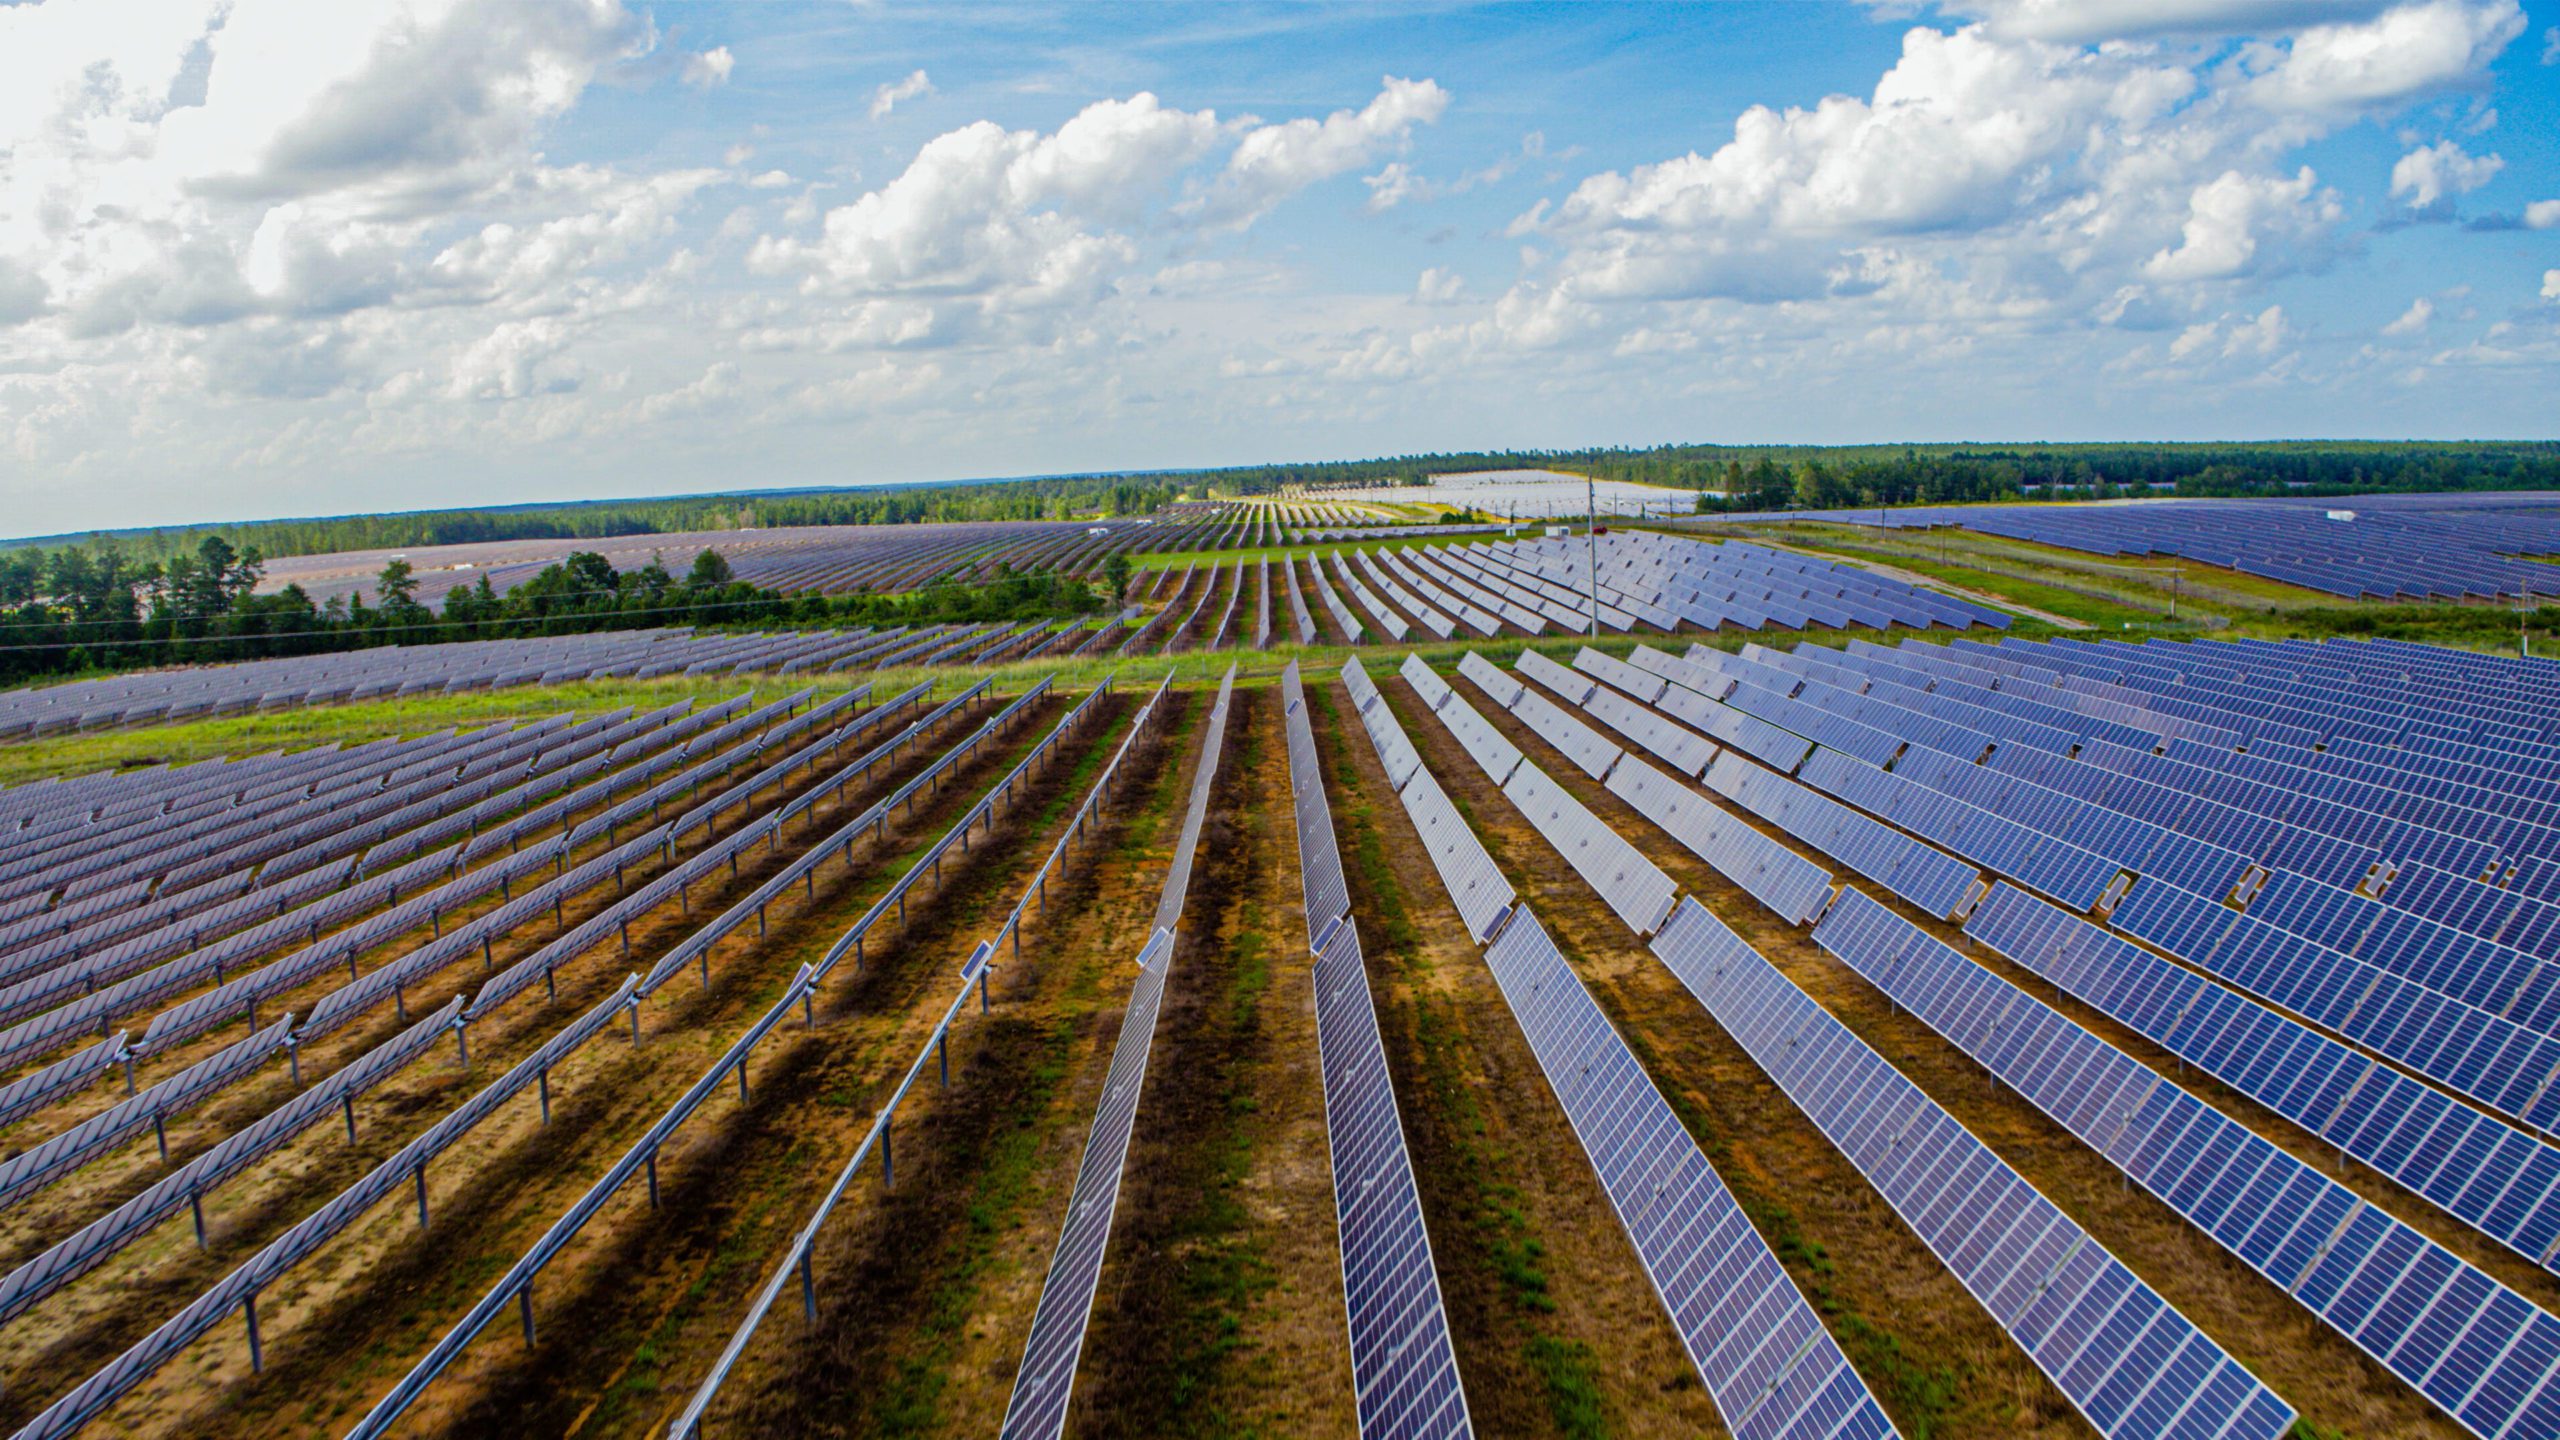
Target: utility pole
[2177, 583]
[1591, 534]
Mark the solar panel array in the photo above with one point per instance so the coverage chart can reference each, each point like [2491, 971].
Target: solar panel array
[2454, 546]
[799, 1258]
[1770, 1366]
[2466, 1162]
[820, 559]
[32, 1281]
[2499, 1180]
[2131, 1363]
[2481, 1353]
[516, 1285]
[1045, 1381]
[395, 671]
[1404, 1370]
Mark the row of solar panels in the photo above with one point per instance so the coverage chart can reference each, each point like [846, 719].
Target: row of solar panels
[241, 1287]
[2043, 1278]
[1044, 1382]
[1404, 1370]
[2492, 1176]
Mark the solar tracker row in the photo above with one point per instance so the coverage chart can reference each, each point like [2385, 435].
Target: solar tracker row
[1044, 1383]
[2482, 1354]
[1404, 1370]
[2128, 1359]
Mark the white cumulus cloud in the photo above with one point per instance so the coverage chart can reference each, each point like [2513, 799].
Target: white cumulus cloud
[710, 68]
[2434, 173]
[2413, 321]
[1273, 162]
[897, 92]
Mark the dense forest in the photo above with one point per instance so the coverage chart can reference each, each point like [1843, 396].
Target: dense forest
[96, 608]
[1753, 477]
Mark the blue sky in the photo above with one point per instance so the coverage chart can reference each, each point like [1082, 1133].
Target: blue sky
[264, 257]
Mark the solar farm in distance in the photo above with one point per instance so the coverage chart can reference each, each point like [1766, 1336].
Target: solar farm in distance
[1336, 959]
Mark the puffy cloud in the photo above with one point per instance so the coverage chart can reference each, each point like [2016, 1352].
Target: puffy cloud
[193, 163]
[2407, 52]
[2240, 225]
[2434, 173]
[1273, 162]
[2413, 321]
[1439, 286]
[1001, 220]
[2551, 284]
[2542, 215]
[897, 92]
[502, 365]
[709, 69]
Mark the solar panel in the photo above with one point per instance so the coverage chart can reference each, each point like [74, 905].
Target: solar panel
[1475, 885]
[1326, 892]
[2474, 1053]
[2477, 1351]
[1769, 872]
[1631, 885]
[2499, 1180]
[1573, 687]
[1504, 689]
[1425, 681]
[1769, 1364]
[1404, 1371]
[1586, 749]
[1643, 685]
[2132, 1364]
[1043, 1383]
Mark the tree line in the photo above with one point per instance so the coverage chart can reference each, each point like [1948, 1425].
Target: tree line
[1750, 476]
[98, 608]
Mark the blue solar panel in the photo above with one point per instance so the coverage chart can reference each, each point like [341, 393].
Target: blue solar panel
[1404, 1372]
[2495, 1178]
[2411, 1312]
[1769, 1364]
[2131, 1362]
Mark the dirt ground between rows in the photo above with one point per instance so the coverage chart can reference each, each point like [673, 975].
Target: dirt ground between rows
[1220, 1309]
[2329, 1381]
[369, 1302]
